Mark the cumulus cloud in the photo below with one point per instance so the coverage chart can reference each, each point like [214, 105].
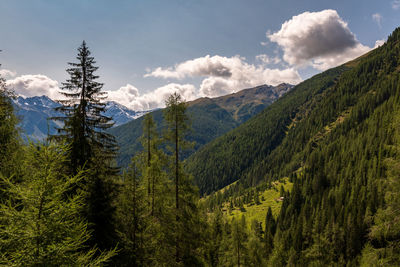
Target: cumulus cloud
[34, 85]
[265, 59]
[224, 75]
[7, 73]
[320, 39]
[248, 77]
[377, 18]
[129, 96]
[203, 66]
[396, 4]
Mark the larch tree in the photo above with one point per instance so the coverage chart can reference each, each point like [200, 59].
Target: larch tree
[9, 134]
[177, 126]
[188, 225]
[40, 225]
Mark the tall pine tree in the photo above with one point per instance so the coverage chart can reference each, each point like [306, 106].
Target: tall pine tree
[9, 135]
[91, 147]
[84, 119]
[188, 225]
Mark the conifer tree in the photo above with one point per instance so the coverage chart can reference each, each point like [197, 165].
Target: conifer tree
[150, 142]
[255, 246]
[40, 226]
[239, 240]
[84, 119]
[214, 248]
[187, 220]
[131, 213]
[9, 134]
[91, 147]
[177, 125]
[270, 228]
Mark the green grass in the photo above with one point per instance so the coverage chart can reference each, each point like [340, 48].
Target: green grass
[258, 212]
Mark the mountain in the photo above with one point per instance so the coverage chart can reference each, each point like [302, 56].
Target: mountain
[335, 138]
[35, 111]
[122, 114]
[210, 117]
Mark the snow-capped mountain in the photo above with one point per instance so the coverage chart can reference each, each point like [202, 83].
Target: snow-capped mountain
[122, 114]
[35, 111]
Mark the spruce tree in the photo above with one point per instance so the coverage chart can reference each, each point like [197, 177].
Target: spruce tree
[91, 147]
[84, 120]
[270, 228]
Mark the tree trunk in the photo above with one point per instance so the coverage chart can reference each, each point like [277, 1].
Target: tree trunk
[176, 183]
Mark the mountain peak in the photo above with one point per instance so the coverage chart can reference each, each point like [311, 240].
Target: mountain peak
[36, 110]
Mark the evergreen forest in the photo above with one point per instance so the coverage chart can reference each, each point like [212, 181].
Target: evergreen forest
[311, 180]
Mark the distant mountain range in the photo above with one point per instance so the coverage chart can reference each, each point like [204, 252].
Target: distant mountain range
[210, 118]
[35, 111]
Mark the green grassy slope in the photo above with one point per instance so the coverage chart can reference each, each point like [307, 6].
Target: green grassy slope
[269, 198]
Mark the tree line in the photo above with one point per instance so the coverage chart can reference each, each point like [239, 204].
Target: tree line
[64, 202]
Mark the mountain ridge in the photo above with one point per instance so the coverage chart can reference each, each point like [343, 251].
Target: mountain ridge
[335, 137]
[211, 118]
[34, 112]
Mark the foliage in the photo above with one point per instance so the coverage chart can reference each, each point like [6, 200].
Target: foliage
[10, 142]
[41, 226]
[84, 120]
[91, 147]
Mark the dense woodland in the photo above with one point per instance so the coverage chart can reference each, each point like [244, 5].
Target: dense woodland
[335, 137]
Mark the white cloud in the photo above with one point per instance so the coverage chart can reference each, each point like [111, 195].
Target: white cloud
[203, 66]
[129, 96]
[124, 95]
[7, 73]
[396, 4]
[377, 18]
[379, 43]
[34, 85]
[224, 75]
[250, 76]
[265, 59]
[320, 39]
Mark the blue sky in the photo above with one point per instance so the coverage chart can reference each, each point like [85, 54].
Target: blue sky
[147, 49]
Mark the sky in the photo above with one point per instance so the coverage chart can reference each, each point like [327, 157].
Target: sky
[149, 49]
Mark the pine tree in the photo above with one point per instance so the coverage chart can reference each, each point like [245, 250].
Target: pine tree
[177, 125]
[40, 225]
[150, 142]
[213, 252]
[84, 120]
[131, 214]
[255, 246]
[91, 147]
[188, 224]
[239, 240]
[9, 134]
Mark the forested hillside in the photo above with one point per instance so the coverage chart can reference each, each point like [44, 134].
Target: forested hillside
[209, 118]
[313, 180]
[336, 137]
[243, 150]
